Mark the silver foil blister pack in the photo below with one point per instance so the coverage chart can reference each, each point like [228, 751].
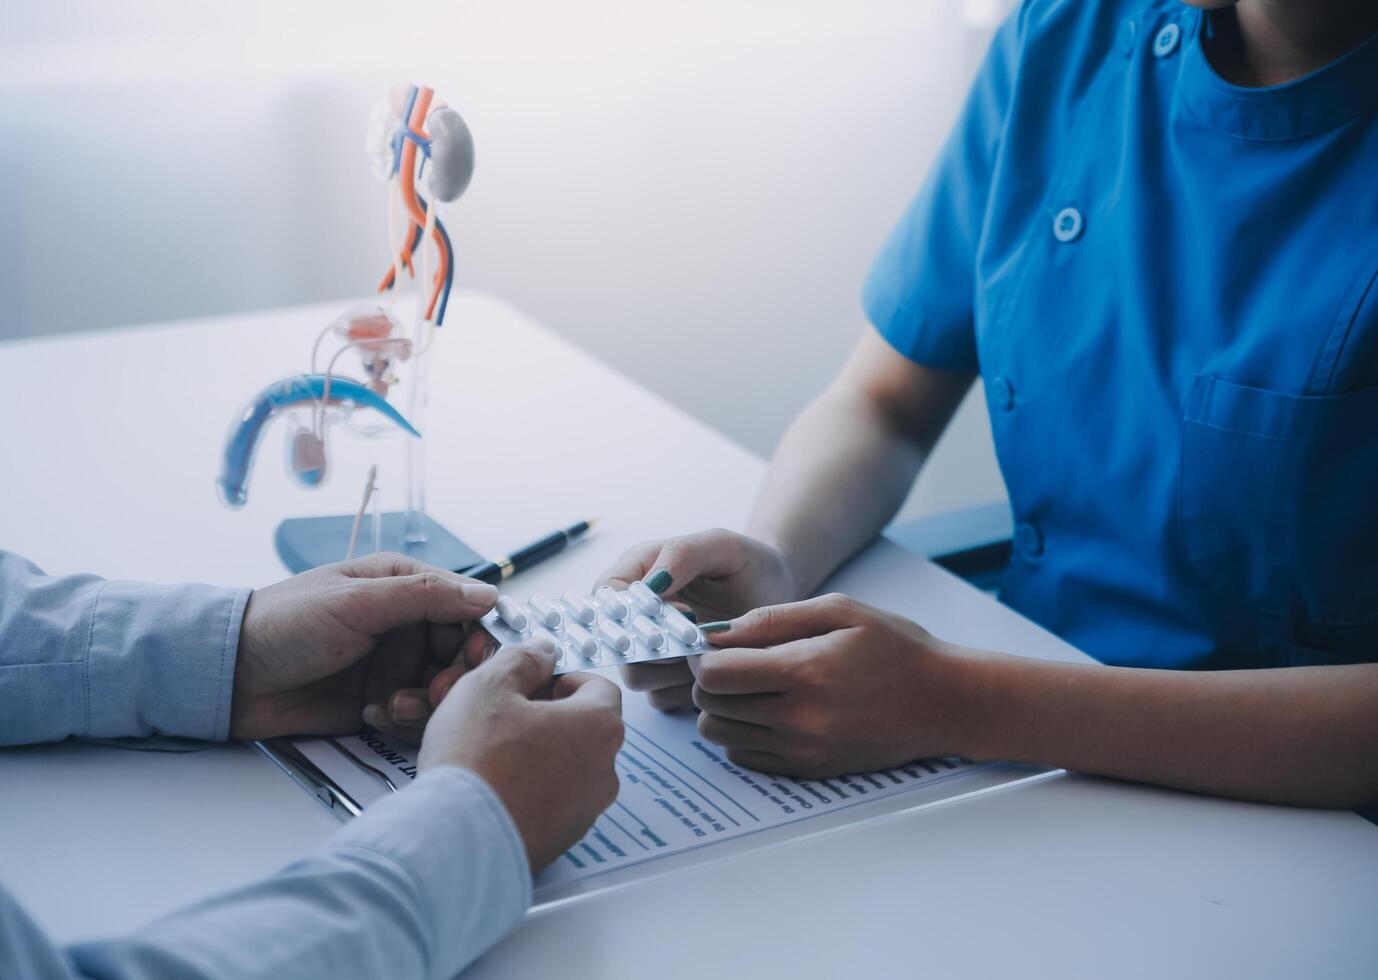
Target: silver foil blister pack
[605, 629]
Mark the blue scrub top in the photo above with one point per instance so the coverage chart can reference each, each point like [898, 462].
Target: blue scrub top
[1168, 285]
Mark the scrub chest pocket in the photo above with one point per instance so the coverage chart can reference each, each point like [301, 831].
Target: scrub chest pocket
[1278, 499]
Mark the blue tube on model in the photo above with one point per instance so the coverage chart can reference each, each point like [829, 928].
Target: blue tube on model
[241, 443]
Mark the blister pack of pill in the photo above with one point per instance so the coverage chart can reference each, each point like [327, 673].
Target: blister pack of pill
[607, 628]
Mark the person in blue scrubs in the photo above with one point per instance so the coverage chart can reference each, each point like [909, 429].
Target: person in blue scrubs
[1153, 234]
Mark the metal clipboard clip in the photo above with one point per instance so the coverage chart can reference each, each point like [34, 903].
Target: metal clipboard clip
[315, 781]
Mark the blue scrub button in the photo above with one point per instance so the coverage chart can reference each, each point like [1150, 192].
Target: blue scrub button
[1166, 41]
[1029, 540]
[1002, 393]
[1067, 225]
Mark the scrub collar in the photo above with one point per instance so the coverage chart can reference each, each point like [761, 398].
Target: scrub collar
[1305, 106]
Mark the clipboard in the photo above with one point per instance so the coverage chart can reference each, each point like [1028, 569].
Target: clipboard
[347, 782]
[310, 777]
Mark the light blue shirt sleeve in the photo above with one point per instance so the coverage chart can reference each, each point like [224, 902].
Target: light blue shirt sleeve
[84, 657]
[419, 886]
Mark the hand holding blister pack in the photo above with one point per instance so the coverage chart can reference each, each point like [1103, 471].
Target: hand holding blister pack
[602, 630]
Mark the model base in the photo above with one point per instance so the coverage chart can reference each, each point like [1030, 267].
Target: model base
[309, 542]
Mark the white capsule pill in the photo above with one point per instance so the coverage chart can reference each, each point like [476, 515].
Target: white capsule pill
[579, 607]
[611, 602]
[582, 640]
[646, 600]
[510, 612]
[544, 610]
[614, 636]
[681, 628]
[648, 634]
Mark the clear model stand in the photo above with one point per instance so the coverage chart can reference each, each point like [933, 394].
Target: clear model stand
[412, 144]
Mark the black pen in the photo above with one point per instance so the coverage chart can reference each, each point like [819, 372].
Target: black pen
[553, 543]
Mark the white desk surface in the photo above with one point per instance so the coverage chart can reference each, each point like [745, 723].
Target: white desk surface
[111, 441]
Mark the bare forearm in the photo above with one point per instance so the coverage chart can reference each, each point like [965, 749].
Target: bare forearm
[846, 464]
[1303, 735]
[838, 476]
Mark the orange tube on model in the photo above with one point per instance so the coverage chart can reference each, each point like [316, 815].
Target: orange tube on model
[406, 178]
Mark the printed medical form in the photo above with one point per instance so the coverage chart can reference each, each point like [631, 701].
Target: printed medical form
[679, 791]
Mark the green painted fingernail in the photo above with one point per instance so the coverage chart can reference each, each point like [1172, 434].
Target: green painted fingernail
[690, 615]
[721, 626]
[659, 581]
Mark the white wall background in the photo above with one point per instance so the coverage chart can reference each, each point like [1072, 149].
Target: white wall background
[691, 190]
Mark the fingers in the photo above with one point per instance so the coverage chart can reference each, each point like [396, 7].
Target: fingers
[671, 565]
[712, 553]
[756, 709]
[382, 564]
[586, 692]
[376, 716]
[671, 698]
[631, 565]
[773, 625]
[403, 715]
[442, 682]
[433, 595]
[668, 683]
[655, 675]
[400, 660]
[745, 671]
[523, 668]
[766, 762]
[444, 641]
[477, 647]
[738, 735]
[409, 707]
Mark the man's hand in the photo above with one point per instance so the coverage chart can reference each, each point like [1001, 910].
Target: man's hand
[318, 648]
[831, 686]
[550, 761]
[714, 574]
